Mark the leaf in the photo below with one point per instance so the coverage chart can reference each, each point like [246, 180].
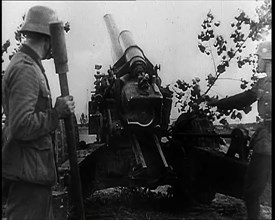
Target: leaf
[98, 67]
[221, 68]
[243, 86]
[230, 54]
[201, 47]
[203, 26]
[182, 85]
[226, 63]
[223, 121]
[10, 56]
[240, 63]
[197, 79]
[217, 24]
[227, 112]
[239, 115]
[233, 115]
[211, 33]
[247, 109]
[5, 46]
[210, 15]
[67, 27]
[210, 79]
[233, 35]
[197, 89]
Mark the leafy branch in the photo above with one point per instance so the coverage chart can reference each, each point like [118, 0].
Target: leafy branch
[189, 96]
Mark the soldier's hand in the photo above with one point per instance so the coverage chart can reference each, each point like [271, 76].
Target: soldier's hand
[64, 106]
[212, 103]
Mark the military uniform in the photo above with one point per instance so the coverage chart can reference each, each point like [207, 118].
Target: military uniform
[260, 165]
[27, 149]
[28, 167]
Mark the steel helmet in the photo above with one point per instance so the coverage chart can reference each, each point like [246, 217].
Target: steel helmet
[264, 50]
[37, 20]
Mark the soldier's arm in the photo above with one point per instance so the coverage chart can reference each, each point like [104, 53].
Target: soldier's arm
[238, 101]
[25, 122]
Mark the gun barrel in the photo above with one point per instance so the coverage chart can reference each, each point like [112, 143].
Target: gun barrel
[132, 52]
[126, 40]
[122, 43]
[113, 33]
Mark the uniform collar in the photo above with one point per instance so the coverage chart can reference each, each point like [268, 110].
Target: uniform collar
[29, 51]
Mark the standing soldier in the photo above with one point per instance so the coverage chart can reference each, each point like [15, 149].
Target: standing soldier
[260, 165]
[28, 168]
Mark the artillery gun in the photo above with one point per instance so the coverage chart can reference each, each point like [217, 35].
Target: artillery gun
[129, 113]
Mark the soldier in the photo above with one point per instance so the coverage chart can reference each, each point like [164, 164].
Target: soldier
[260, 165]
[28, 168]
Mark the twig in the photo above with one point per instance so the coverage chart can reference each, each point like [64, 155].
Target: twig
[215, 67]
[250, 34]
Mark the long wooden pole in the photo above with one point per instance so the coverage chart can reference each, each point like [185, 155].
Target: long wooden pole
[61, 67]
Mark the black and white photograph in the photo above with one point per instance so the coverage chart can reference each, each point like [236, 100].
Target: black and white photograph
[132, 110]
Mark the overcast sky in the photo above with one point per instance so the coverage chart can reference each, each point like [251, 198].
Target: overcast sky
[165, 30]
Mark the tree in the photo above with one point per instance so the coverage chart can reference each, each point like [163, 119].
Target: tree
[18, 39]
[223, 52]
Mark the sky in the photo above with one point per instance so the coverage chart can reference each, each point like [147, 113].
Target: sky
[166, 31]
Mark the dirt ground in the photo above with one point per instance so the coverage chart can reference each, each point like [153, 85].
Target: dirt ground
[122, 203]
[125, 204]
[139, 203]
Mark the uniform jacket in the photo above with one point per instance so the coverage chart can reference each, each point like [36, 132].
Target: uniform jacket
[262, 89]
[27, 147]
[261, 92]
